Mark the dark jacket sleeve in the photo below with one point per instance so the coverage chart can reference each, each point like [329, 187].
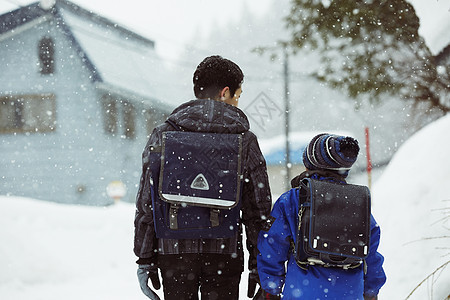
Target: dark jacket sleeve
[256, 198]
[145, 242]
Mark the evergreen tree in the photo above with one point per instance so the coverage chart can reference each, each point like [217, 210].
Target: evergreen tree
[370, 47]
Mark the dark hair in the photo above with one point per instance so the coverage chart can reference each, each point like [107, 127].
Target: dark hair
[213, 74]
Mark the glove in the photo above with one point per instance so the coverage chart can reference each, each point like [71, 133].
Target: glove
[263, 295]
[145, 272]
[253, 279]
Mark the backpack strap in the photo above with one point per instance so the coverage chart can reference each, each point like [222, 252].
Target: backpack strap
[173, 216]
[174, 125]
[303, 191]
[173, 210]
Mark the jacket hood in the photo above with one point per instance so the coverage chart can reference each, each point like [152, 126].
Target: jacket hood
[210, 116]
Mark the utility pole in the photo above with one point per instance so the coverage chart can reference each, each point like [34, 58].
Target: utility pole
[286, 115]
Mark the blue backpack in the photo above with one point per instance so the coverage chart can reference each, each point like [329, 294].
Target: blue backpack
[196, 183]
[333, 224]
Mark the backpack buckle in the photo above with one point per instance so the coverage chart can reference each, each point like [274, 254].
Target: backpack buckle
[214, 217]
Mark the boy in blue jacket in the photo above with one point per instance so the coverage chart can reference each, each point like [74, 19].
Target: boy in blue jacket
[327, 157]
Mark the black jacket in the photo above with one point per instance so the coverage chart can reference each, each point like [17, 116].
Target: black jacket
[217, 117]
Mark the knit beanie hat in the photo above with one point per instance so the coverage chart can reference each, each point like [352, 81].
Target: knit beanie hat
[331, 152]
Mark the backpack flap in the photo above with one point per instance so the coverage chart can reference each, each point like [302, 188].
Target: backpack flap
[339, 220]
[201, 169]
[199, 185]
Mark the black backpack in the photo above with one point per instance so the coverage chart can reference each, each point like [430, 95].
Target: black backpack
[334, 224]
[196, 183]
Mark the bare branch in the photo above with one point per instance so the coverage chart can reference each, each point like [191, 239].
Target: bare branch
[426, 278]
[427, 238]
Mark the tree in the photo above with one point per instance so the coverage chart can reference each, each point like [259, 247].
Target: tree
[370, 47]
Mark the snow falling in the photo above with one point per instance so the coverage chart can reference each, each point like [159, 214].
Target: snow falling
[52, 248]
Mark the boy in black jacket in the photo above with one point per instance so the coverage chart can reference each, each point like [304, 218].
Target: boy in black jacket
[212, 265]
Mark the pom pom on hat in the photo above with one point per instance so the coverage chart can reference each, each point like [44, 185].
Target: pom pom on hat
[331, 152]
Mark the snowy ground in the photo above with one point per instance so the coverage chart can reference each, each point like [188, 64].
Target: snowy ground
[54, 251]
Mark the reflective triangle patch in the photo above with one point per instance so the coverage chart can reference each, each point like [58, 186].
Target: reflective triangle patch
[200, 183]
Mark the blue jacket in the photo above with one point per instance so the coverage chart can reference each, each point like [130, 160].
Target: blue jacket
[316, 282]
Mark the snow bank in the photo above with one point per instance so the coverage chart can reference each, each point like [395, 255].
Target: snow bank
[434, 22]
[56, 251]
[52, 251]
[411, 203]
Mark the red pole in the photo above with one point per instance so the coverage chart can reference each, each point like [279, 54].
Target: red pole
[369, 160]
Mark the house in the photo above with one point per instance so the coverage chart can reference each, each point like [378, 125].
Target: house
[79, 96]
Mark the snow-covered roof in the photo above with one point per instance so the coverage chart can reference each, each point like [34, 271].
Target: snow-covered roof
[115, 55]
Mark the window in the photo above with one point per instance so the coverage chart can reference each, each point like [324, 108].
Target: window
[149, 117]
[129, 120]
[46, 56]
[110, 114]
[119, 115]
[27, 113]
[153, 118]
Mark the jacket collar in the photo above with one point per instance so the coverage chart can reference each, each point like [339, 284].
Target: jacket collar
[210, 116]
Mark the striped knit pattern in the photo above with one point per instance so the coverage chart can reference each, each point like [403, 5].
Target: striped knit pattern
[324, 152]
